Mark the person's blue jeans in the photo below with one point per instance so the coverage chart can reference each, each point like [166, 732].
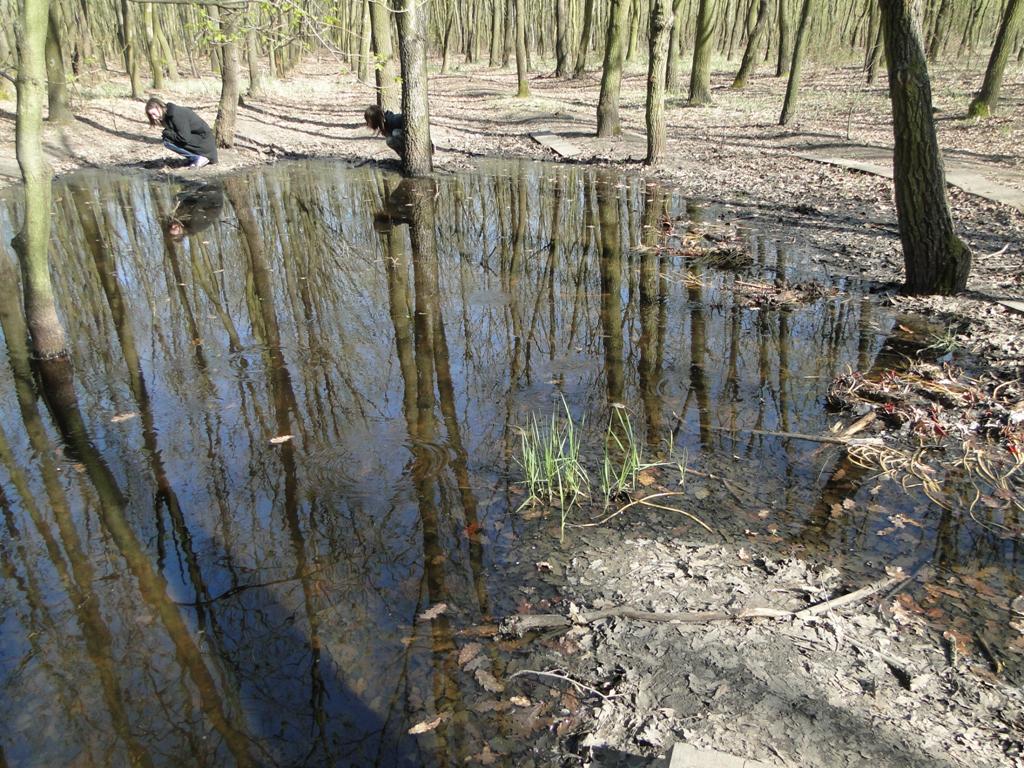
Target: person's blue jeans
[192, 156]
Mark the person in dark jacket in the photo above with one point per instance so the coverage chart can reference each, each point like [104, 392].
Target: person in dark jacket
[185, 132]
[388, 124]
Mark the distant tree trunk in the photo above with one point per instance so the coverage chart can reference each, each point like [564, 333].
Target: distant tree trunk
[987, 100]
[611, 76]
[412, 46]
[586, 31]
[561, 38]
[793, 87]
[673, 71]
[634, 31]
[753, 42]
[938, 36]
[494, 57]
[252, 57]
[524, 84]
[700, 74]
[227, 109]
[389, 95]
[363, 71]
[785, 54]
[59, 110]
[166, 54]
[936, 260]
[131, 56]
[32, 243]
[153, 46]
[509, 38]
[661, 26]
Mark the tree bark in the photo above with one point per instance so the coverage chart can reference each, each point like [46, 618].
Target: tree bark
[153, 46]
[32, 242]
[412, 46]
[586, 31]
[561, 38]
[785, 54]
[661, 25]
[131, 56]
[753, 42]
[227, 109]
[611, 76]
[985, 103]
[389, 95]
[700, 73]
[58, 109]
[673, 71]
[936, 260]
[494, 56]
[793, 87]
[524, 85]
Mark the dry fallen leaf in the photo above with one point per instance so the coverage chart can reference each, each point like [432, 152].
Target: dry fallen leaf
[894, 571]
[468, 653]
[520, 701]
[646, 477]
[428, 725]
[489, 682]
[118, 418]
[280, 439]
[433, 612]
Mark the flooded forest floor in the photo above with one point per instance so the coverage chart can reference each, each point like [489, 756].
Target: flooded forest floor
[740, 647]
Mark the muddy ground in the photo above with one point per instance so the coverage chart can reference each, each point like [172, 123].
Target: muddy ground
[867, 683]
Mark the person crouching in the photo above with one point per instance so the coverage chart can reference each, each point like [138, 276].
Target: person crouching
[185, 133]
[390, 125]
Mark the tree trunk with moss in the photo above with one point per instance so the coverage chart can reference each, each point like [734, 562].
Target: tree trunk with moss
[753, 43]
[611, 76]
[586, 29]
[524, 85]
[58, 110]
[984, 104]
[799, 48]
[153, 46]
[784, 45]
[412, 46]
[32, 242]
[700, 73]
[660, 27]
[227, 109]
[936, 260]
[389, 94]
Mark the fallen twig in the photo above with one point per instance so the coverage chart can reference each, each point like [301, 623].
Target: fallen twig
[832, 439]
[577, 683]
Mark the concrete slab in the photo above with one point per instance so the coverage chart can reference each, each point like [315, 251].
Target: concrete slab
[556, 143]
[685, 756]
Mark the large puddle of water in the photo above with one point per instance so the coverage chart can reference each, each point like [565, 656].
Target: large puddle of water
[277, 496]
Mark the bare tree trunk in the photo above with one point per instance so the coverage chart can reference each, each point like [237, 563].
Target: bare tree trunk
[586, 31]
[363, 71]
[412, 46]
[937, 261]
[252, 57]
[389, 95]
[524, 85]
[131, 56]
[750, 53]
[153, 46]
[673, 72]
[227, 109]
[700, 74]
[494, 58]
[611, 77]
[59, 110]
[988, 97]
[661, 25]
[32, 243]
[793, 87]
[561, 38]
[785, 54]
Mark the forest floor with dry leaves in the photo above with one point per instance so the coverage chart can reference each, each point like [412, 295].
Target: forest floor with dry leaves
[871, 683]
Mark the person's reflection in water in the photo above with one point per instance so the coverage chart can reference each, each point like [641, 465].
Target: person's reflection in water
[196, 207]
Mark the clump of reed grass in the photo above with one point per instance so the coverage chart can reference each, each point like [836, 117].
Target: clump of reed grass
[623, 456]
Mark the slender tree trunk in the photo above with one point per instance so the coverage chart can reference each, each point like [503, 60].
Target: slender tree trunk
[494, 56]
[700, 74]
[938, 36]
[611, 77]
[753, 42]
[412, 46]
[674, 69]
[586, 30]
[131, 55]
[389, 94]
[785, 54]
[32, 243]
[634, 31]
[661, 26]
[363, 71]
[985, 103]
[561, 38]
[252, 57]
[936, 260]
[875, 55]
[153, 46]
[793, 87]
[227, 109]
[59, 110]
[524, 85]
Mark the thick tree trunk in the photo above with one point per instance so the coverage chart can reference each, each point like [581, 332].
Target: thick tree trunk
[524, 85]
[674, 69]
[793, 87]
[985, 102]
[936, 260]
[389, 94]
[753, 42]
[661, 25]
[785, 54]
[32, 243]
[586, 31]
[412, 46]
[561, 38]
[611, 77]
[59, 110]
[153, 46]
[700, 73]
[227, 109]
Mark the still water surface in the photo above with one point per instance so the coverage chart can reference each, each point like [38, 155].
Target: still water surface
[290, 431]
